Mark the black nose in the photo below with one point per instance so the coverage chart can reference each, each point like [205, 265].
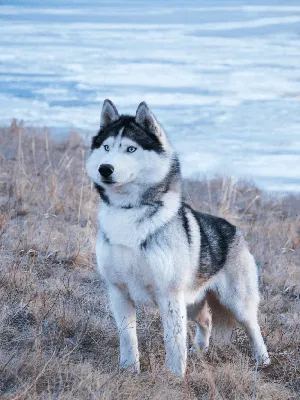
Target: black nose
[106, 170]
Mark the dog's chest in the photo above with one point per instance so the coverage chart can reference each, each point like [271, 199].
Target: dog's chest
[139, 253]
[123, 227]
[130, 269]
[143, 271]
[137, 273]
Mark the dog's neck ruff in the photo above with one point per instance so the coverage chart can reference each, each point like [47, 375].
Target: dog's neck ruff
[132, 226]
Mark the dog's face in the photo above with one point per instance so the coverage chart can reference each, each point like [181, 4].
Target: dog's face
[128, 150]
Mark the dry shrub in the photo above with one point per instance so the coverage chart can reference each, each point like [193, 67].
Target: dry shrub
[57, 336]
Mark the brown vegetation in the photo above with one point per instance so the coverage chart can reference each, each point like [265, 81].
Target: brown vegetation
[57, 336]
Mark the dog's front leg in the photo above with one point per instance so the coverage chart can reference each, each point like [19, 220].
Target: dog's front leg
[125, 316]
[173, 313]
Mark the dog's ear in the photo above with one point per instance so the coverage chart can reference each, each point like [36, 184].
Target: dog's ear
[109, 114]
[147, 120]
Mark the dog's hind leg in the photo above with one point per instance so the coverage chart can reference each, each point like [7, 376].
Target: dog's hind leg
[245, 312]
[202, 316]
[237, 289]
[250, 323]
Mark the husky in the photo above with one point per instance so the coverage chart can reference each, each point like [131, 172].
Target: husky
[153, 248]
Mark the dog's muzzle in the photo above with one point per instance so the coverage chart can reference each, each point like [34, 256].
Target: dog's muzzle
[106, 170]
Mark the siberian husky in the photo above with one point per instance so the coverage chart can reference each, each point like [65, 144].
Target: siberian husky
[154, 248]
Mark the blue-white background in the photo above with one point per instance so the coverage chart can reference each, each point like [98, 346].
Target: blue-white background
[223, 77]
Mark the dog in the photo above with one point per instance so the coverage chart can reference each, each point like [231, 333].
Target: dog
[153, 248]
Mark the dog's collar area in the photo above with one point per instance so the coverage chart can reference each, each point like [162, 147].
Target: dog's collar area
[100, 189]
[130, 206]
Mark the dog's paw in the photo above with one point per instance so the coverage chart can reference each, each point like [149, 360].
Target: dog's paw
[265, 361]
[196, 349]
[133, 368]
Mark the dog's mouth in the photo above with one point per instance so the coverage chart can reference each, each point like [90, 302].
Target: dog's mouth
[116, 184]
[108, 181]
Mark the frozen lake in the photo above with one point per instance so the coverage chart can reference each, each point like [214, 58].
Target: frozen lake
[223, 77]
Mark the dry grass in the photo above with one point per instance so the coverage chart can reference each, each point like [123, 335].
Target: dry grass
[57, 336]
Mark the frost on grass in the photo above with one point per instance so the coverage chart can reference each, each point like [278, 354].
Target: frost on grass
[57, 336]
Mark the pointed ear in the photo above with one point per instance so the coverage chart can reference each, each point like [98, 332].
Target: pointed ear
[109, 114]
[147, 120]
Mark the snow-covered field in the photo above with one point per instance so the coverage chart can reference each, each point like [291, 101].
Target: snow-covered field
[222, 77]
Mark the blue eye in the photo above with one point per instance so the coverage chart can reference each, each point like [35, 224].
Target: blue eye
[131, 149]
[106, 147]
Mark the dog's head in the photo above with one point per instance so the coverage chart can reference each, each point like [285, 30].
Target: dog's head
[128, 150]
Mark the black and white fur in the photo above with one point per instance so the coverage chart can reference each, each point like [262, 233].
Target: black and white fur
[153, 248]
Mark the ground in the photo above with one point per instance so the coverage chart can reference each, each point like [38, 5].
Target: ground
[58, 339]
